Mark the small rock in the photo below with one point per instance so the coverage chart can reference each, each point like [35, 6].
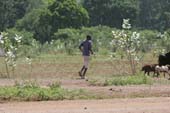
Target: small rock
[111, 89]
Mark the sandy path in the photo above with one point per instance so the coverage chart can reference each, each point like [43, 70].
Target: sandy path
[138, 105]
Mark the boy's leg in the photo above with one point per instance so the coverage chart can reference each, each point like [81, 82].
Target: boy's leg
[84, 73]
[80, 72]
[82, 68]
[86, 62]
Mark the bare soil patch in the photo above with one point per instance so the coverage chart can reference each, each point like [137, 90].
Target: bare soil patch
[138, 105]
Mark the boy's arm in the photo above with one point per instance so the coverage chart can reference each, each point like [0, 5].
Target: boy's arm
[80, 47]
[91, 51]
[90, 48]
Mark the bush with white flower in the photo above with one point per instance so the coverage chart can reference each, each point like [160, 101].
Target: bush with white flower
[10, 49]
[129, 42]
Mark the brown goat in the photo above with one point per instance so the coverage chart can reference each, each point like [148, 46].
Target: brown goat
[150, 68]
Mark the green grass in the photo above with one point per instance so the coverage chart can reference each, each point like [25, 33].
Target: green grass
[128, 80]
[65, 66]
[121, 80]
[60, 65]
[33, 92]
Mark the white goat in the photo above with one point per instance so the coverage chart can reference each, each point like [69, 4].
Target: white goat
[164, 69]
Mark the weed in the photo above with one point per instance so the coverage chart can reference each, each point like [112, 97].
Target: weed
[54, 85]
[29, 92]
[128, 80]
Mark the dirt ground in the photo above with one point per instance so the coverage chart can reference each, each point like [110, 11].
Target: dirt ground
[138, 105]
[123, 99]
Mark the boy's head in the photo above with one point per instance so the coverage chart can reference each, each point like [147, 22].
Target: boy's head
[88, 37]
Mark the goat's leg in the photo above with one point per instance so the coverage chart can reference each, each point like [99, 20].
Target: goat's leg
[145, 73]
[157, 73]
[164, 74]
[169, 75]
[154, 74]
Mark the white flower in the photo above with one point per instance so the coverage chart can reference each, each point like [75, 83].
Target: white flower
[58, 47]
[1, 39]
[126, 24]
[136, 58]
[114, 33]
[112, 42]
[10, 54]
[52, 42]
[1, 36]
[163, 51]
[131, 51]
[14, 64]
[18, 38]
[28, 60]
[11, 47]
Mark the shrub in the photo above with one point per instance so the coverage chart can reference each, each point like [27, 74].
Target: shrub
[30, 91]
[27, 37]
[149, 39]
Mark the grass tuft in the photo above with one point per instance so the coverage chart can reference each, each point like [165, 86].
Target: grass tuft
[128, 80]
[33, 92]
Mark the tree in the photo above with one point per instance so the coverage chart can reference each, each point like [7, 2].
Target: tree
[46, 20]
[68, 13]
[36, 4]
[38, 22]
[10, 11]
[98, 10]
[111, 12]
[154, 14]
[165, 18]
[43, 29]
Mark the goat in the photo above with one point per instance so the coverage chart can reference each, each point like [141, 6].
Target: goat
[164, 69]
[150, 68]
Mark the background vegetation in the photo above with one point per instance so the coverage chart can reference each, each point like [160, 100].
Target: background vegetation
[53, 27]
[40, 39]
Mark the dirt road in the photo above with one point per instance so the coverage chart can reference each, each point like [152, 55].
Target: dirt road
[160, 104]
[138, 105]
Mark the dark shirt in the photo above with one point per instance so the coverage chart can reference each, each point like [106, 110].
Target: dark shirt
[86, 47]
